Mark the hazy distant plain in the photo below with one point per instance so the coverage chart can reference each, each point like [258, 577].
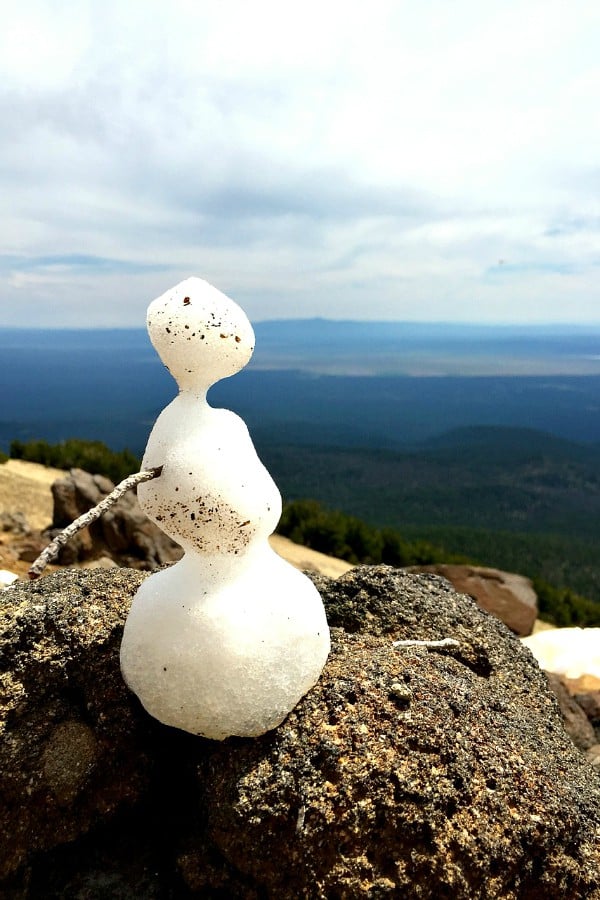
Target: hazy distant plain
[313, 380]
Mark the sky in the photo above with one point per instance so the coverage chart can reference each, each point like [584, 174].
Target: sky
[390, 160]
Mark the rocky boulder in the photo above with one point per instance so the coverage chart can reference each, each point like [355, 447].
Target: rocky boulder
[124, 533]
[575, 717]
[14, 522]
[406, 772]
[506, 595]
[590, 704]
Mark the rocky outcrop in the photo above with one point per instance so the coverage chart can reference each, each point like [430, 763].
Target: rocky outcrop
[14, 522]
[576, 721]
[509, 597]
[69, 748]
[123, 533]
[405, 772]
[590, 703]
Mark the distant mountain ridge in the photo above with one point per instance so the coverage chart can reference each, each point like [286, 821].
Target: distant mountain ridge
[524, 443]
[110, 385]
[349, 347]
[346, 347]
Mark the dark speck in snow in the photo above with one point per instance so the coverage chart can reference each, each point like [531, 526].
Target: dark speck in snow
[186, 301]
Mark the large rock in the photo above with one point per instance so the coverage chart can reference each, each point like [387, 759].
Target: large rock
[590, 704]
[14, 522]
[123, 533]
[405, 772]
[508, 596]
[577, 722]
[69, 748]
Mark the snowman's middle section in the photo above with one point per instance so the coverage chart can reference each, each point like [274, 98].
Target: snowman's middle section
[214, 495]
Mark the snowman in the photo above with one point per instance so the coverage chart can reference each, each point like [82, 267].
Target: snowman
[227, 640]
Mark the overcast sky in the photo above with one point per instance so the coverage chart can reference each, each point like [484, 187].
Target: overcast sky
[422, 160]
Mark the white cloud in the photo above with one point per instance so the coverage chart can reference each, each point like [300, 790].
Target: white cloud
[329, 158]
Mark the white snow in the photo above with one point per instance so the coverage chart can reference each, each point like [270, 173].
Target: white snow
[7, 578]
[572, 652]
[229, 639]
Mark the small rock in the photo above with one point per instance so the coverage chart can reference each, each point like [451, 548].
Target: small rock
[576, 722]
[590, 704]
[508, 596]
[14, 522]
[29, 548]
[593, 755]
[103, 562]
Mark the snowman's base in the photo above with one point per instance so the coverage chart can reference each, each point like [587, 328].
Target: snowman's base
[221, 660]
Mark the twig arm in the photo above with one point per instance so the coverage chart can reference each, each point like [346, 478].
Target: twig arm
[433, 645]
[51, 551]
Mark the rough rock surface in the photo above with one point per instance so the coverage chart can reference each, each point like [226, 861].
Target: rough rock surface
[590, 704]
[69, 752]
[124, 533]
[14, 522]
[506, 595]
[576, 721]
[405, 772]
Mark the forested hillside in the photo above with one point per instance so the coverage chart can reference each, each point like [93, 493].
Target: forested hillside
[500, 478]
[513, 498]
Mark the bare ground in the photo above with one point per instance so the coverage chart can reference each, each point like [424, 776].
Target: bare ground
[25, 487]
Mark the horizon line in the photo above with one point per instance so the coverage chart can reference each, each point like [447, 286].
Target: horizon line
[549, 323]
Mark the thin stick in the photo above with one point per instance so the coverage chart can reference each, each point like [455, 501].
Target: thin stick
[51, 551]
[433, 645]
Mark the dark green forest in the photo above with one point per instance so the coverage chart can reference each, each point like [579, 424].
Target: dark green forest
[93, 456]
[513, 498]
[347, 537]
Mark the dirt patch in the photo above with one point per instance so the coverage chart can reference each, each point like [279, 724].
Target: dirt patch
[25, 487]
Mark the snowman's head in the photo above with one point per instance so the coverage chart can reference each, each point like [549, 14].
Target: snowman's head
[200, 334]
